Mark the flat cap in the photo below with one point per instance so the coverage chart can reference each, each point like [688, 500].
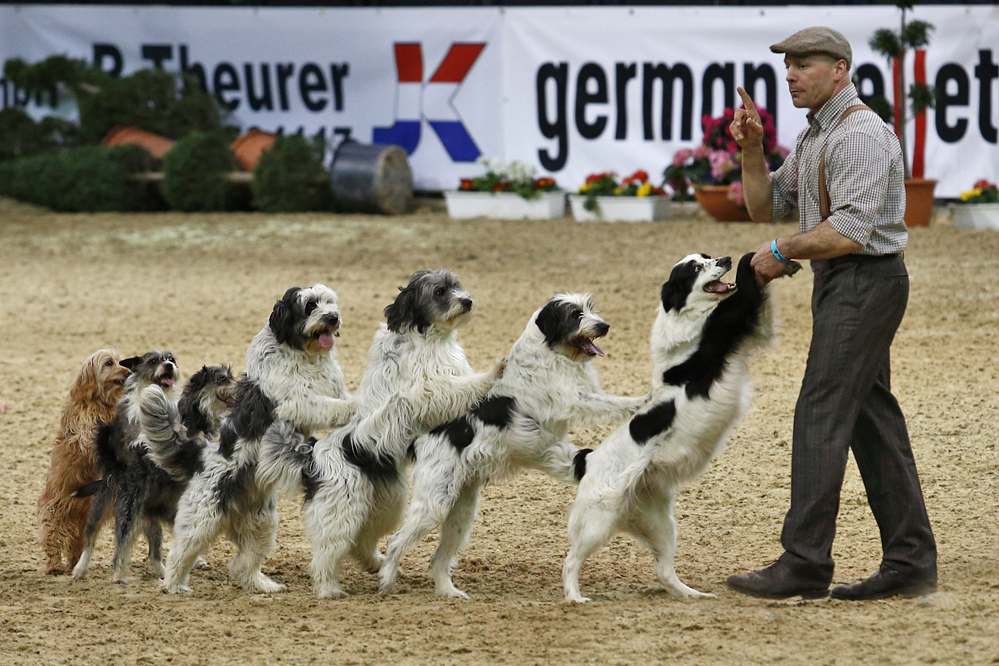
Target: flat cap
[817, 40]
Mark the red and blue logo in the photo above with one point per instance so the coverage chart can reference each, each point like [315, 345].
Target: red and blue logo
[432, 101]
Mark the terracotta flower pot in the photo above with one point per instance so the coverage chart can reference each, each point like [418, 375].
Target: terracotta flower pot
[715, 200]
[249, 147]
[919, 201]
[157, 145]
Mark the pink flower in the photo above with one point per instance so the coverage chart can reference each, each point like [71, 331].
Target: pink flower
[702, 152]
[721, 164]
[681, 156]
[736, 194]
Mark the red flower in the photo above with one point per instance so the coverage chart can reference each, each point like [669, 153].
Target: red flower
[983, 185]
[637, 177]
[466, 184]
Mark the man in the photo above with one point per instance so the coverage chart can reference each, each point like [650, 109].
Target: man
[859, 297]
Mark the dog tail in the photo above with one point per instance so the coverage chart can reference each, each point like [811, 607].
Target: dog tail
[107, 453]
[88, 490]
[169, 447]
[286, 464]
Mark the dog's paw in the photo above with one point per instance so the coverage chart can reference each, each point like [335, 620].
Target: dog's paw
[331, 592]
[262, 583]
[201, 564]
[499, 368]
[577, 600]
[452, 593]
[790, 268]
[174, 589]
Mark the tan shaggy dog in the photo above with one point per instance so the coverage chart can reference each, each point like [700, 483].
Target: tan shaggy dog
[92, 399]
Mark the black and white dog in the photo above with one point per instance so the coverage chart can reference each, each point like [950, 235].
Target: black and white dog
[118, 446]
[292, 373]
[548, 385]
[703, 337]
[354, 480]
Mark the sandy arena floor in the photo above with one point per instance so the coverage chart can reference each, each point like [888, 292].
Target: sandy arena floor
[203, 285]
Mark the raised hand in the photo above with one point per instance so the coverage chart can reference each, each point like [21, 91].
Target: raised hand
[746, 127]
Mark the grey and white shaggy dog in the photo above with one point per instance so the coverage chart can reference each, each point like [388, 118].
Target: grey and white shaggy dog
[548, 386]
[292, 373]
[704, 334]
[354, 480]
[118, 445]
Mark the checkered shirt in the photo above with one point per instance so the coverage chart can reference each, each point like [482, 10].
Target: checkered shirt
[864, 175]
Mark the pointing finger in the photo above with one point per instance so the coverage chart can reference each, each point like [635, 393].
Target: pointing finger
[747, 100]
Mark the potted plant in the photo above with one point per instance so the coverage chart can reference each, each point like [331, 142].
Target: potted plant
[713, 170]
[906, 105]
[602, 198]
[978, 208]
[506, 192]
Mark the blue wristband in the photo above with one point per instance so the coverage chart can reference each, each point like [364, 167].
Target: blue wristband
[780, 257]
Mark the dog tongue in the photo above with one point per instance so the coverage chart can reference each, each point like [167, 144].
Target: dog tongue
[326, 341]
[168, 382]
[717, 287]
[595, 349]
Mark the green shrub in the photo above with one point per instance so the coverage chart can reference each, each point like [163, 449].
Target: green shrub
[82, 179]
[290, 176]
[149, 100]
[20, 136]
[195, 174]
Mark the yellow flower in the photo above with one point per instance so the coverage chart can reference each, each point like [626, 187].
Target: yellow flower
[585, 187]
[617, 190]
[970, 193]
[644, 190]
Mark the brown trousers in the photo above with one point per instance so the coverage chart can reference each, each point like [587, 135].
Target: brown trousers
[846, 404]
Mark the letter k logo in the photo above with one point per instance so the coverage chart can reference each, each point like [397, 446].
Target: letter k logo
[433, 101]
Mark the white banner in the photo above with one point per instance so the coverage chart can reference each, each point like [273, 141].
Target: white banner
[570, 90]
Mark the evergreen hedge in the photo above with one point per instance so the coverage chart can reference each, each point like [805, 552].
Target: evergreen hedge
[82, 179]
[289, 177]
[150, 100]
[20, 136]
[195, 174]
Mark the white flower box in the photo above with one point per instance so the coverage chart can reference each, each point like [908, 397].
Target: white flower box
[463, 205]
[621, 209]
[976, 216]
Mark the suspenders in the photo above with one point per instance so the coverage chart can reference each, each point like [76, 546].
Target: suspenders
[824, 206]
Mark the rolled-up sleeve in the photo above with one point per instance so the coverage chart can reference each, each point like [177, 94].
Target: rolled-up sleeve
[858, 172]
[785, 186]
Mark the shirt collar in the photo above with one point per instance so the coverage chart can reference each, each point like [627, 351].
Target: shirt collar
[831, 111]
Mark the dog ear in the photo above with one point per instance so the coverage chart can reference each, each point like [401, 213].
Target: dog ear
[674, 294]
[677, 288]
[554, 323]
[404, 312]
[282, 319]
[132, 362]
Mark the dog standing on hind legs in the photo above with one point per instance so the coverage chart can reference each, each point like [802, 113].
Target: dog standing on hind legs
[549, 385]
[704, 334]
[93, 396]
[118, 444]
[354, 480]
[292, 373]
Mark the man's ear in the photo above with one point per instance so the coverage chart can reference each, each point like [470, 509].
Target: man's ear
[841, 69]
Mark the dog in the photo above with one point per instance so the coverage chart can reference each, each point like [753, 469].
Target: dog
[705, 332]
[118, 444]
[548, 385]
[354, 480]
[293, 374]
[141, 489]
[92, 398]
